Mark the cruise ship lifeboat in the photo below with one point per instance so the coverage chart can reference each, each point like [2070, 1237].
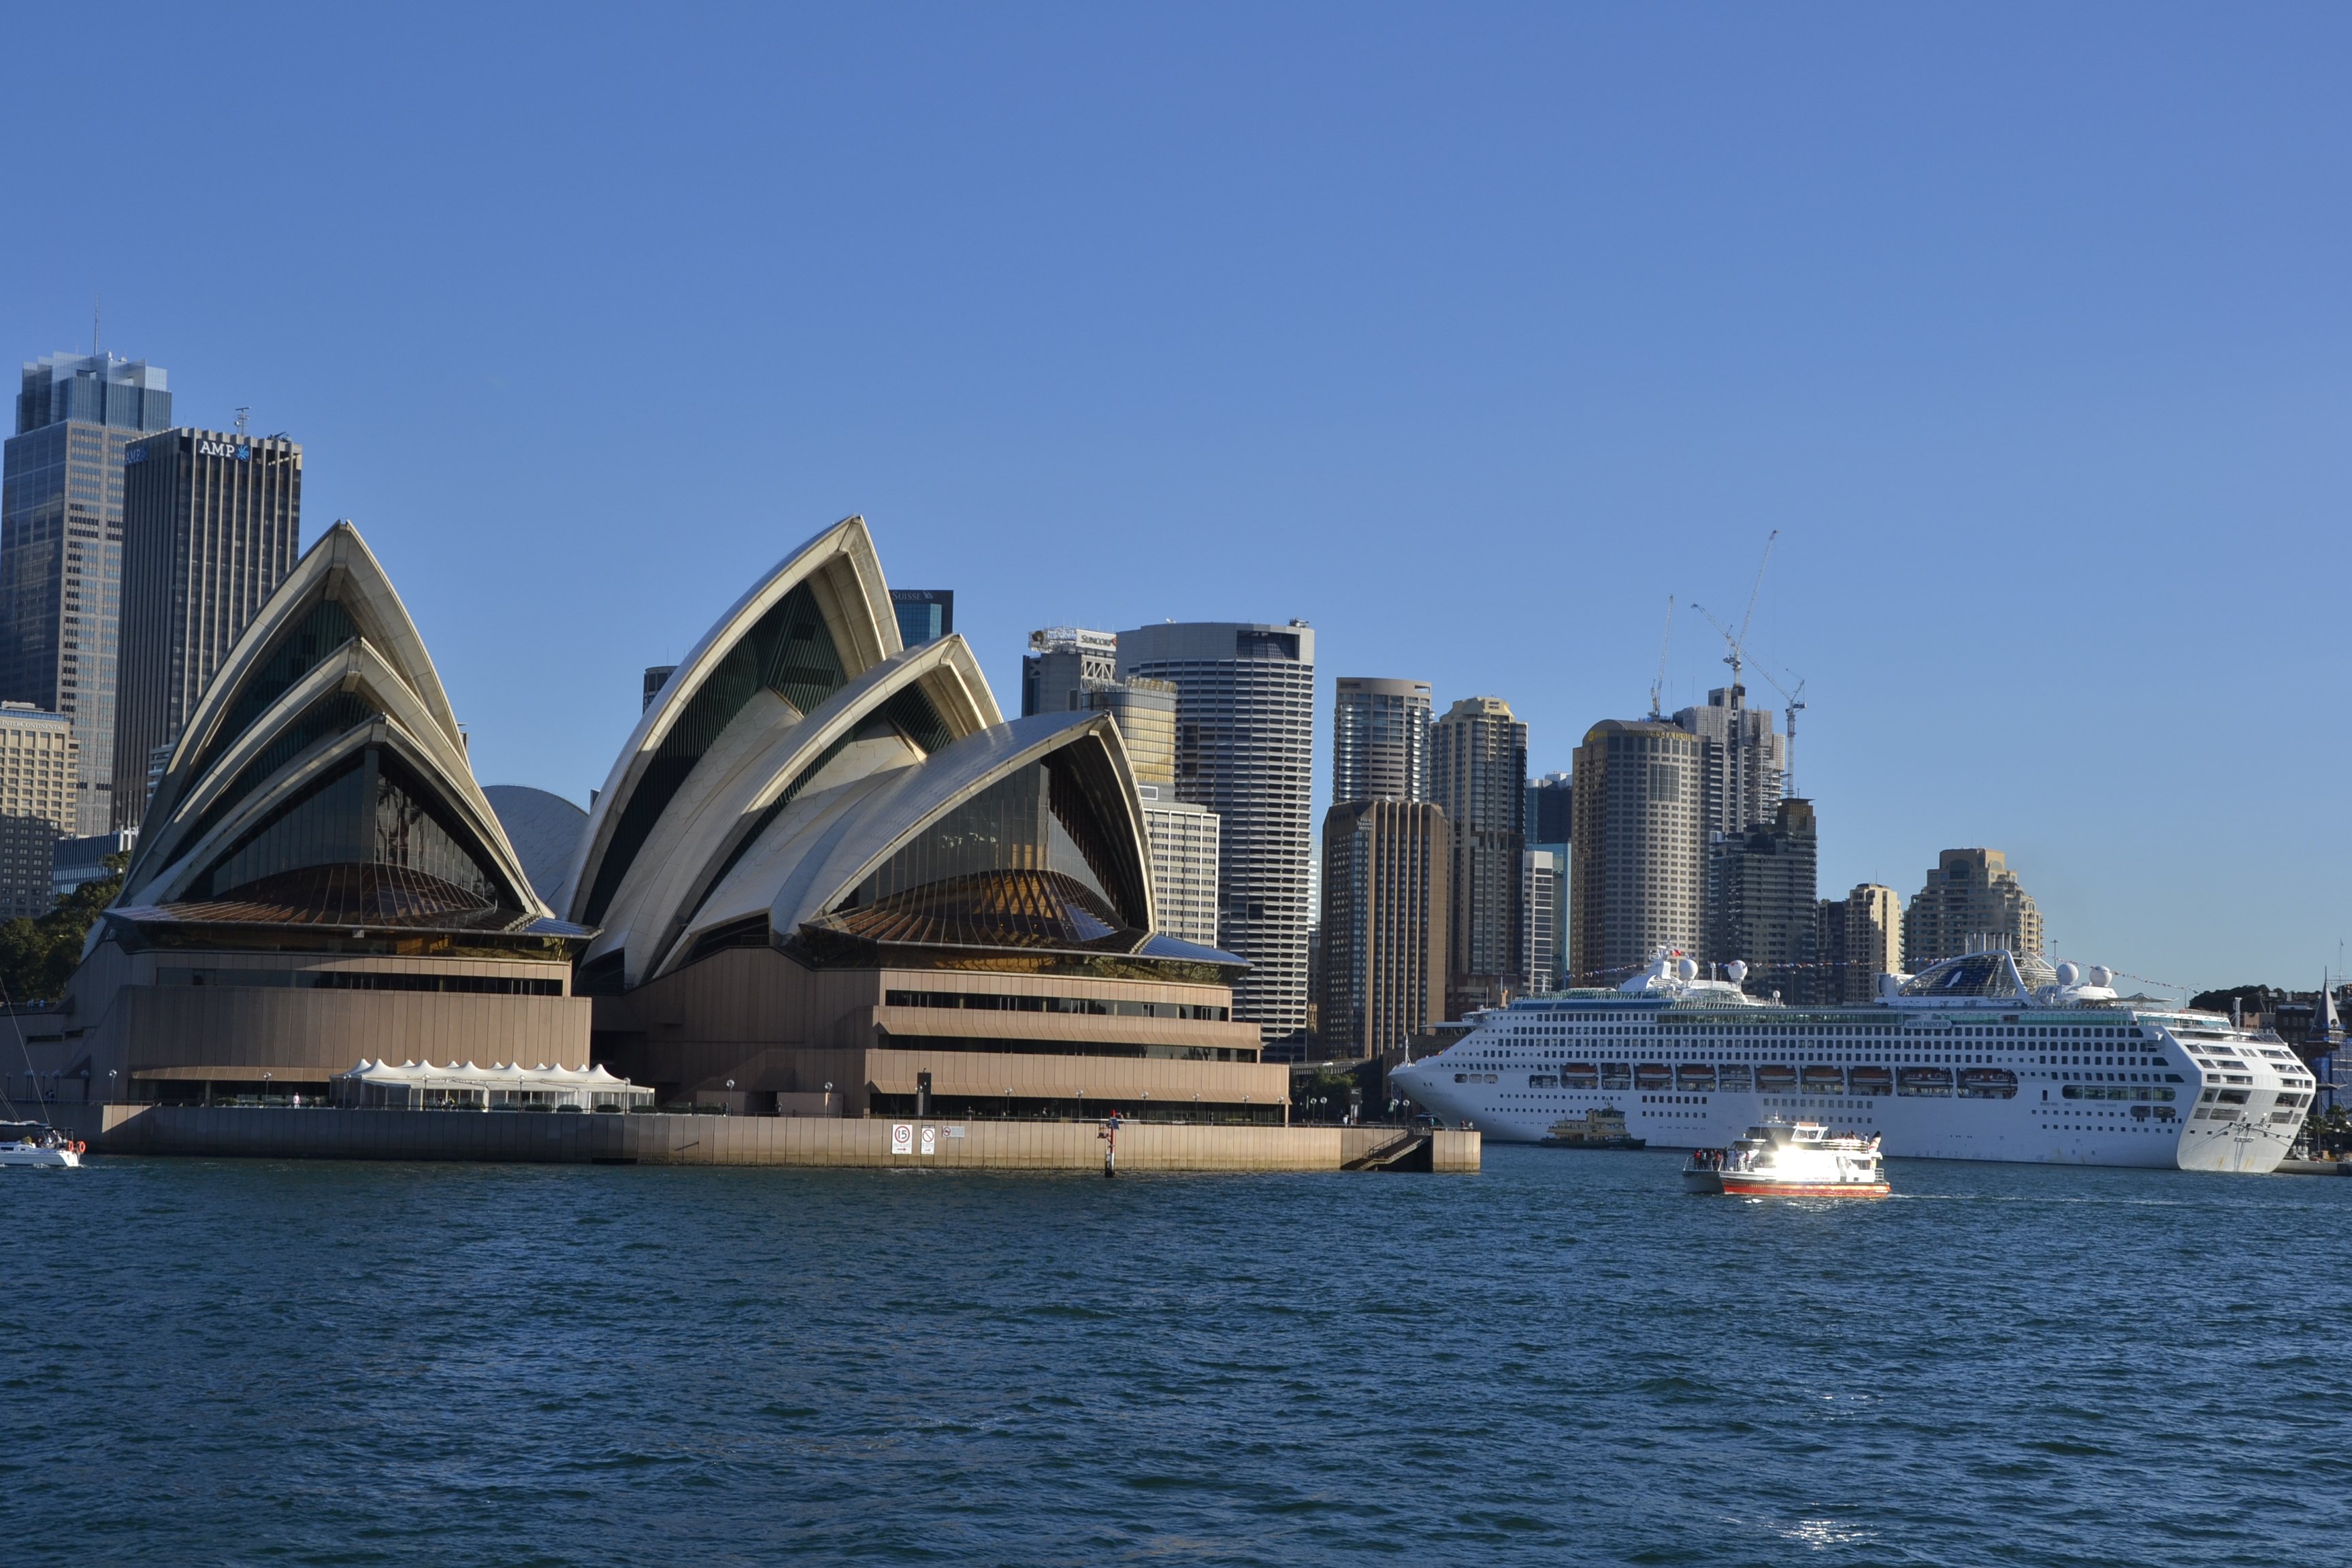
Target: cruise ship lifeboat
[1924, 1080]
[1825, 1081]
[1694, 1075]
[1653, 1075]
[1871, 1080]
[1580, 1074]
[1988, 1083]
[1775, 1080]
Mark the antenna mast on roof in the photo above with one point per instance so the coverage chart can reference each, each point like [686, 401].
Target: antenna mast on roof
[1664, 644]
[97, 304]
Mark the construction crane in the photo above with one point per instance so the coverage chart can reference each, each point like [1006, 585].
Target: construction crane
[1736, 656]
[1795, 700]
[1664, 644]
[1796, 705]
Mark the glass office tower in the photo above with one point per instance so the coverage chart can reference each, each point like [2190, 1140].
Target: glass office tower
[211, 526]
[61, 550]
[924, 614]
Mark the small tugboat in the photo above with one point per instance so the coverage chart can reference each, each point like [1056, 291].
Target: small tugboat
[1603, 1127]
[1790, 1159]
[44, 1148]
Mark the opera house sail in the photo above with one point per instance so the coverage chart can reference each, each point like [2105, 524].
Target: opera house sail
[826, 874]
[319, 878]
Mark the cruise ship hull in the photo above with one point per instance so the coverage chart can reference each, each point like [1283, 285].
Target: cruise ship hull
[2053, 1075]
[1963, 1129]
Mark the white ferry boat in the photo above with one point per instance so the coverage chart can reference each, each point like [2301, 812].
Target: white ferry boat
[1791, 1160]
[1992, 1056]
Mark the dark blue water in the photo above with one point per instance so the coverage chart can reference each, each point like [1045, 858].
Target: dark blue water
[1562, 1359]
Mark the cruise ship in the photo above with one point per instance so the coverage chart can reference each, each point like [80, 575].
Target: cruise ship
[1990, 1056]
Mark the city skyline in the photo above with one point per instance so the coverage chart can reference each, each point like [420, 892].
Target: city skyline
[2114, 373]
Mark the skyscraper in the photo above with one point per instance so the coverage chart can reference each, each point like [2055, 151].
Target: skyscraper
[1478, 776]
[1741, 761]
[1742, 766]
[1383, 941]
[1637, 881]
[1245, 750]
[1861, 939]
[1379, 740]
[1540, 885]
[211, 524]
[1972, 901]
[924, 614]
[37, 778]
[1183, 839]
[1551, 809]
[1764, 911]
[61, 550]
[1552, 817]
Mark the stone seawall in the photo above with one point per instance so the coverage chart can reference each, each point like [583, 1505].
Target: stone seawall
[273, 1133]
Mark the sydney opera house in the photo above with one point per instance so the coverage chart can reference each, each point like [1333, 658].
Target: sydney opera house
[825, 876]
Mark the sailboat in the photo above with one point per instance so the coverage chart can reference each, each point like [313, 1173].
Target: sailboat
[42, 1148]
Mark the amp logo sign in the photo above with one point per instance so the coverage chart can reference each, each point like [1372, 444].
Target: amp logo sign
[240, 450]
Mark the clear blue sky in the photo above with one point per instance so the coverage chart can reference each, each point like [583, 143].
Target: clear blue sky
[1466, 334]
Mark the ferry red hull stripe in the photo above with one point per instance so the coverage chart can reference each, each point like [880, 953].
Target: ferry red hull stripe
[1735, 1188]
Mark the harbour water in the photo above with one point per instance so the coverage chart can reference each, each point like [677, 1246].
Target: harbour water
[1563, 1359]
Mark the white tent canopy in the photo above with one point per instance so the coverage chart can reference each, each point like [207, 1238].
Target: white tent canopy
[501, 1085]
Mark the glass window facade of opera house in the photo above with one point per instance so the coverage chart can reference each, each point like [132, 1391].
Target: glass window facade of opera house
[825, 876]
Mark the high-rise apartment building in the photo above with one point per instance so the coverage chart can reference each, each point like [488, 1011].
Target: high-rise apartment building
[1972, 901]
[1540, 885]
[1182, 837]
[1742, 760]
[61, 550]
[1385, 871]
[1551, 809]
[656, 676]
[1379, 740]
[924, 614]
[1552, 817]
[1245, 750]
[1478, 776]
[38, 776]
[1637, 879]
[1860, 938]
[211, 522]
[1764, 910]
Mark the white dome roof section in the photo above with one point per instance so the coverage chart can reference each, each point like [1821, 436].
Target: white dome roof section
[325, 778]
[336, 593]
[1028, 835]
[821, 619]
[893, 716]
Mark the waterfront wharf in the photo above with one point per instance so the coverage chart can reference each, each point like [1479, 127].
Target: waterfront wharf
[948, 1144]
